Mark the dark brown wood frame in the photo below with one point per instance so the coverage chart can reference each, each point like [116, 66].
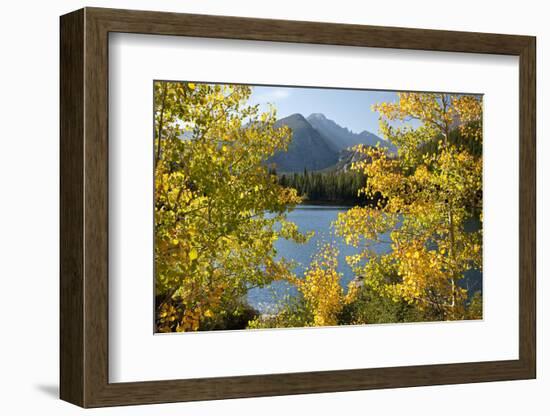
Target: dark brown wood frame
[84, 208]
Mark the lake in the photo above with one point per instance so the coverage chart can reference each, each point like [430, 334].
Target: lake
[319, 218]
[316, 218]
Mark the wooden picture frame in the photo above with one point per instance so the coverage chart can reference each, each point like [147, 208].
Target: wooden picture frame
[84, 207]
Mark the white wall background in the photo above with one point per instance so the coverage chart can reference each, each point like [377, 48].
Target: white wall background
[29, 159]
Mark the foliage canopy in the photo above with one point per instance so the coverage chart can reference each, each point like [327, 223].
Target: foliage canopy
[213, 239]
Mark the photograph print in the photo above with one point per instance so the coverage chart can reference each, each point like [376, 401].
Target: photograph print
[292, 207]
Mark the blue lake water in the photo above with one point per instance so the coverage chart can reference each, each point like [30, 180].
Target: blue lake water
[315, 218]
[319, 218]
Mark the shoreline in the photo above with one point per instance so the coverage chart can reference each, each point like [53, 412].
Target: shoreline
[327, 203]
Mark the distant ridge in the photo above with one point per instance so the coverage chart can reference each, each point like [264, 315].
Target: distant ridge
[308, 149]
[344, 138]
[321, 144]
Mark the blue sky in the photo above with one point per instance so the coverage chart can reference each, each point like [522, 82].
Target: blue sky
[349, 108]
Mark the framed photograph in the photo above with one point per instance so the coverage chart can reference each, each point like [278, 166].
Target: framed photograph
[260, 207]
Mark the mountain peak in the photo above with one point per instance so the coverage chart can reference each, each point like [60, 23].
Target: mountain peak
[319, 119]
[317, 116]
[293, 121]
[343, 138]
[295, 116]
[308, 149]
